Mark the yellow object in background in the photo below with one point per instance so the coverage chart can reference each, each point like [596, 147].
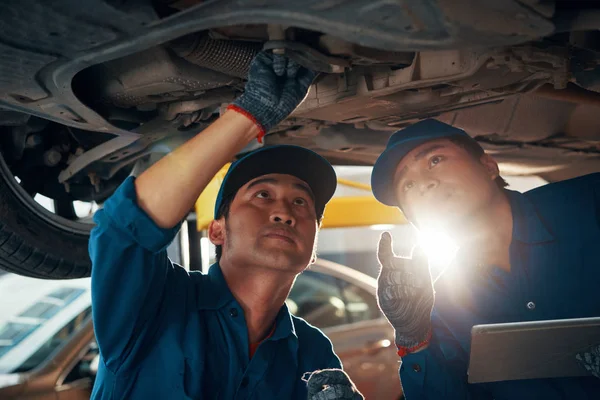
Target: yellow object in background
[341, 212]
[205, 205]
[355, 211]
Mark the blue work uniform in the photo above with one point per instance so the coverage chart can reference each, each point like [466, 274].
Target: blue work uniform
[164, 333]
[555, 274]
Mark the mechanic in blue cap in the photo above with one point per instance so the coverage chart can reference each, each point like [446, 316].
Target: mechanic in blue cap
[164, 333]
[522, 257]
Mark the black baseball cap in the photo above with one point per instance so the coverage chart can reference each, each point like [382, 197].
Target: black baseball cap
[297, 161]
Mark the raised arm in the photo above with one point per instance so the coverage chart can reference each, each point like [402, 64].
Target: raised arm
[135, 287]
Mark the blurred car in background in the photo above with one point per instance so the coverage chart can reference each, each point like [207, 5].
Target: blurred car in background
[48, 349]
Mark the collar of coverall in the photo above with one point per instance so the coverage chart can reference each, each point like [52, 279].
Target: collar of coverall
[216, 295]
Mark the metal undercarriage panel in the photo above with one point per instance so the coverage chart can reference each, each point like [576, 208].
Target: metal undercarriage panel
[42, 52]
[468, 62]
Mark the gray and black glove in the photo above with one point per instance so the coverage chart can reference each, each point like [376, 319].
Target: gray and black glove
[276, 86]
[405, 294]
[331, 384]
[590, 360]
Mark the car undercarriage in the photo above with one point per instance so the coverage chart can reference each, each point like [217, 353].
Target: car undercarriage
[89, 89]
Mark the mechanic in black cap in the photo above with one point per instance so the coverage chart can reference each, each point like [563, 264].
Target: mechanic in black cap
[523, 257]
[164, 333]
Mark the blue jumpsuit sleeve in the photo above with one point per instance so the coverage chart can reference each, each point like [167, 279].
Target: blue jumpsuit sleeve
[334, 362]
[439, 371]
[325, 348]
[131, 275]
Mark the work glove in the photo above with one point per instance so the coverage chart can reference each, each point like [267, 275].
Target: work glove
[331, 384]
[590, 360]
[405, 295]
[275, 87]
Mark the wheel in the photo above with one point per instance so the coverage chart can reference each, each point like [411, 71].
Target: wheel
[36, 242]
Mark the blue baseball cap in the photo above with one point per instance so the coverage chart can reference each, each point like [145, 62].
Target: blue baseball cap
[297, 161]
[400, 144]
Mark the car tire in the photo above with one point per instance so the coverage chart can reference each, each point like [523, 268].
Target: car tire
[33, 241]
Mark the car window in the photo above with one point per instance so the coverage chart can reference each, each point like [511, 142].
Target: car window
[37, 317]
[360, 304]
[59, 338]
[12, 333]
[50, 304]
[317, 298]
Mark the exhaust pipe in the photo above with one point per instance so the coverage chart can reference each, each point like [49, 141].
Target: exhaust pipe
[231, 57]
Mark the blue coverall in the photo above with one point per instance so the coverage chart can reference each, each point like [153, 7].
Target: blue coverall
[555, 274]
[164, 333]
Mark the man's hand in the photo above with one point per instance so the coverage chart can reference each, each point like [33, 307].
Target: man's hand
[590, 360]
[331, 384]
[405, 293]
[276, 85]
[168, 189]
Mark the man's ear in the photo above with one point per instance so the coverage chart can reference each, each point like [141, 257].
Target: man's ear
[490, 165]
[216, 232]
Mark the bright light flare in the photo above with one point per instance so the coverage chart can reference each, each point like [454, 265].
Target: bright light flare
[438, 246]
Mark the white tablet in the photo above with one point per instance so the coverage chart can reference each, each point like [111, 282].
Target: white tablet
[530, 350]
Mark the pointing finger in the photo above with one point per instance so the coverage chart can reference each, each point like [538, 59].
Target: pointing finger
[385, 251]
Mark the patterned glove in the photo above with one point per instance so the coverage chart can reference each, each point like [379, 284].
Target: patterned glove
[276, 85]
[405, 295]
[331, 384]
[590, 360]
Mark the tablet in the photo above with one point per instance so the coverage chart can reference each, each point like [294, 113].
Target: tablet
[530, 350]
